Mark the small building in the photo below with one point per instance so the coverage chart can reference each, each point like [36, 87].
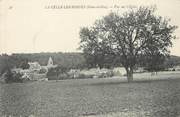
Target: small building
[34, 66]
[177, 68]
[119, 71]
[50, 64]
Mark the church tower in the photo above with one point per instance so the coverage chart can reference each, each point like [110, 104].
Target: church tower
[50, 62]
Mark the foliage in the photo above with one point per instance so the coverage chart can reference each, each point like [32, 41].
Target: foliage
[24, 64]
[128, 36]
[12, 77]
[80, 76]
[42, 71]
[57, 73]
[5, 63]
[172, 61]
[15, 60]
[154, 61]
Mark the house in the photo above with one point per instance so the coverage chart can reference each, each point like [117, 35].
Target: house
[34, 66]
[177, 68]
[119, 71]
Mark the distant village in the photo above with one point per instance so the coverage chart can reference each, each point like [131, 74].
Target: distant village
[35, 71]
[49, 66]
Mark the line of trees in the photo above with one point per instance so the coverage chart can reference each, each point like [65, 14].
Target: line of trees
[67, 60]
[64, 61]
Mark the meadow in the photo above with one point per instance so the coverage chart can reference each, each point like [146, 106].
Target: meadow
[151, 96]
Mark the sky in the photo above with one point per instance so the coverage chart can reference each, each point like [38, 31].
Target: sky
[27, 26]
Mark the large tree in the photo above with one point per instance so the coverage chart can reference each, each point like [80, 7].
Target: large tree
[129, 35]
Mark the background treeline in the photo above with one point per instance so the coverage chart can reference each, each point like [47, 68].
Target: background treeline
[68, 60]
[172, 61]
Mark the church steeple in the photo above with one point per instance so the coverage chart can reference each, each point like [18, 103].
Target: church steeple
[50, 62]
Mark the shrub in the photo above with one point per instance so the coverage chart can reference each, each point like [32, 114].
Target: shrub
[52, 74]
[12, 77]
[24, 65]
[84, 76]
[63, 76]
[57, 73]
[42, 71]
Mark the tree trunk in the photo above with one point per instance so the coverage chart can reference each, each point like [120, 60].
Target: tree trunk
[129, 74]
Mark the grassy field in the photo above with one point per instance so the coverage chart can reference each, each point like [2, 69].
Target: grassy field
[151, 96]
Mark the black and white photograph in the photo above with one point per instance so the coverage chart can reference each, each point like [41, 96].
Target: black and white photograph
[89, 58]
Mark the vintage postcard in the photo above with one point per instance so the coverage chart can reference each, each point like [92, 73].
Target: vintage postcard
[89, 58]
